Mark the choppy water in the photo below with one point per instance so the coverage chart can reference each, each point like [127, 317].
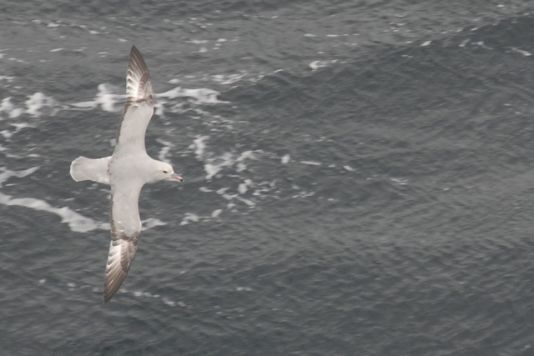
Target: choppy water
[359, 178]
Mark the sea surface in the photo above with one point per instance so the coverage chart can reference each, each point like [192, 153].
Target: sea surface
[359, 178]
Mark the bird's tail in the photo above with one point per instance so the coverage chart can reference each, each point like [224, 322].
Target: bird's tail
[96, 170]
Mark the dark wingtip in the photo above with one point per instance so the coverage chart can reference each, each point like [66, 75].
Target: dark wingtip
[134, 50]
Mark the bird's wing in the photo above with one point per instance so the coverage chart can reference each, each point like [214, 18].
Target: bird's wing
[139, 106]
[125, 230]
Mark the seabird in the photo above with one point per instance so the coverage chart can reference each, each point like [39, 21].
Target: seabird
[127, 170]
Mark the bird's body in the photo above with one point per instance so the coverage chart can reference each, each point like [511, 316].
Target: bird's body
[126, 171]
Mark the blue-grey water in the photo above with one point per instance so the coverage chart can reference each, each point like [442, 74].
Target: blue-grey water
[359, 178]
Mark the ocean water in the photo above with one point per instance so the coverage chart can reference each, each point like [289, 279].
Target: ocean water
[359, 178]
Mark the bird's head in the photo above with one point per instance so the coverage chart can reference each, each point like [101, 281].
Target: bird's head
[164, 171]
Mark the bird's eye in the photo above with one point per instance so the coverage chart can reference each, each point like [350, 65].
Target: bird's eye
[164, 171]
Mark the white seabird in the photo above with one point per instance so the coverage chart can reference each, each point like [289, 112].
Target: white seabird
[126, 171]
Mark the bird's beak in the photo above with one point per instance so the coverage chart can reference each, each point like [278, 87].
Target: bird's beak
[175, 178]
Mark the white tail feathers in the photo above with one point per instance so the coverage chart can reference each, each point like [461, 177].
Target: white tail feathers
[83, 168]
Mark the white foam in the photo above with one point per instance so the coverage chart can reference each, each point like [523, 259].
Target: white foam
[188, 218]
[216, 213]
[243, 289]
[105, 98]
[6, 105]
[311, 163]
[199, 145]
[56, 50]
[198, 41]
[36, 102]
[200, 95]
[215, 165]
[243, 187]
[226, 79]
[152, 222]
[285, 159]
[399, 181]
[246, 155]
[6, 174]
[76, 222]
[18, 126]
[7, 78]
[464, 43]
[426, 43]
[163, 154]
[348, 168]
[303, 194]
[250, 203]
[168, 302]
[521, 51]
[321, 64]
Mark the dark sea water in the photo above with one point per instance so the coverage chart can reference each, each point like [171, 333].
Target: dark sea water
[359, 178]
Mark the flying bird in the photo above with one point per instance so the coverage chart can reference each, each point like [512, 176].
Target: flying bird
[127, 170]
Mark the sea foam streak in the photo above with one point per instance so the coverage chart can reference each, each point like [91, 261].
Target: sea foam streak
[76, 222]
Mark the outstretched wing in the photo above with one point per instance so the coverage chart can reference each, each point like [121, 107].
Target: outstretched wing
[139, 106]
[125, 230]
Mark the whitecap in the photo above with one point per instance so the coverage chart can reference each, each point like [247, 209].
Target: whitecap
[243, 289]
[189, 217]
[163, 154]
[7, 78]
[200, 95]
[76, 222]
[311, 163]
[215, 165]
[521, 51]
[399, 181]
[36, 102]
[321, 64]
[226, 79]
[242, 188]
[199, 145]
[152, 222]
[285, 159]
[106, 99]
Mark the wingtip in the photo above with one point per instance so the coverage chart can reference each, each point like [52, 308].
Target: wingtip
[110, 291]
[134, 51]
[138, 86]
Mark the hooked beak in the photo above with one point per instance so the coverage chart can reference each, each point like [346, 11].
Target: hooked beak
[175, 178]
